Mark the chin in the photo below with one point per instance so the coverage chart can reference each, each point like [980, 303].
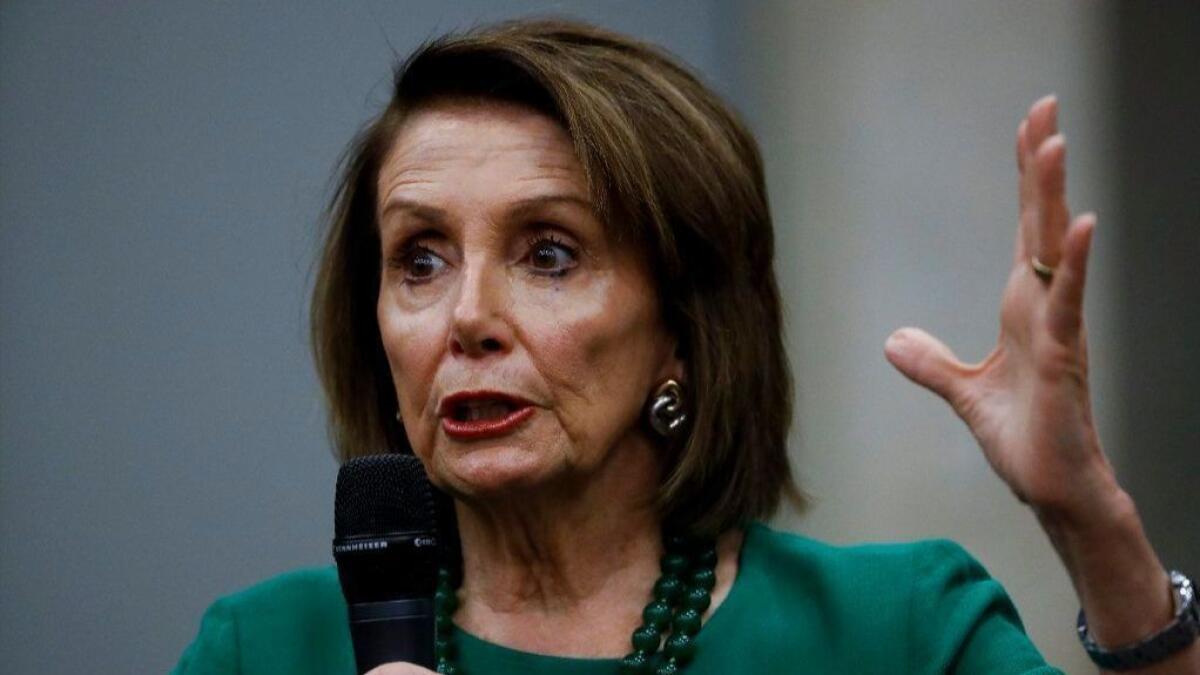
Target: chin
[495, 469]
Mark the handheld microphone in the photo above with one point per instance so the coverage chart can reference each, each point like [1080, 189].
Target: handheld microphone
[392, 530]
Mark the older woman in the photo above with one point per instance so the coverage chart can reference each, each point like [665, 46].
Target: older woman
[549, 276]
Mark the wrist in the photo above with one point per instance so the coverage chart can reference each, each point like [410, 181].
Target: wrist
[1122, 586]
[1099, 515]
[1086, 499]
[1169, 650]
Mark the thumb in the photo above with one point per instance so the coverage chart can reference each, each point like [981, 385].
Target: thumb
[398, 668]
[925, 360]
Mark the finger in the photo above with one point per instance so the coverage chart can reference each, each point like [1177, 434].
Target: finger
[1042, 123]
[1052, 214]
[1043, 120]
[1022, 144]
[927, 361]
[1024, 189]
[1065, 308]
[398, 669]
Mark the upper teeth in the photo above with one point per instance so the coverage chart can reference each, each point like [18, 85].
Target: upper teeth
[481, 410]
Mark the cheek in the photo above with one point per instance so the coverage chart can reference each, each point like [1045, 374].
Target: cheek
[598, 348]
[412, 342]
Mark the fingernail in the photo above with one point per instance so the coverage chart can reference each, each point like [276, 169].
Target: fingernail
[1054, 143]
[896, 338]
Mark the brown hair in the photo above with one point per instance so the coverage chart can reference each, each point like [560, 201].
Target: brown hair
[671, 167]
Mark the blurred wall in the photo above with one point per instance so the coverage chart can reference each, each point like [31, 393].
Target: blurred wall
[888, 130]
[1157, 268]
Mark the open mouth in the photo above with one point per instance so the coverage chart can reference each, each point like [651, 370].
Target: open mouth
[483, 414]
[488, 409]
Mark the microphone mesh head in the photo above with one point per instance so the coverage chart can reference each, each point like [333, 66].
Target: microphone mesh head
[381, 494]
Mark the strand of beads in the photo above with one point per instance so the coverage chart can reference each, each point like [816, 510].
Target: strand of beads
[681, 596]
[445, 603]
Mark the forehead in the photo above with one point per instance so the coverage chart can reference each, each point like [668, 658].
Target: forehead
[441, 143]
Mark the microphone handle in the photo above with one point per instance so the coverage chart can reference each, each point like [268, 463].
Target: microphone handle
[395, 630]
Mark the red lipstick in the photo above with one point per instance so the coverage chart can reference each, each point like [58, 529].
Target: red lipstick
[470, 415]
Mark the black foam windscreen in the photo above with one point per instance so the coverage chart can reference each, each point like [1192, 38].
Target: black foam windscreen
[383, 494]
[392, 529]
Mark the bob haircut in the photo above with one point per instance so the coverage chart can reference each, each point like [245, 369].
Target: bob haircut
[672, 171]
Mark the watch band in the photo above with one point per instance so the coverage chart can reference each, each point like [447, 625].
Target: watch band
[1180, 633]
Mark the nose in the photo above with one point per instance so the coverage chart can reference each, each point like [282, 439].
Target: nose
[479, 324]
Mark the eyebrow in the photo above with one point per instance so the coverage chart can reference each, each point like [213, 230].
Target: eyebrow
[435, 215]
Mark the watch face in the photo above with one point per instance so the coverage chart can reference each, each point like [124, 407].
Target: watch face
[1182, 591]
[1179, 634]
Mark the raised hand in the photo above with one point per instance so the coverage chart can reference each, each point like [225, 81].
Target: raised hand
[1027, 403]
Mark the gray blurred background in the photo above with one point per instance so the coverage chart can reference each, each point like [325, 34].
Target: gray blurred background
[163, 167]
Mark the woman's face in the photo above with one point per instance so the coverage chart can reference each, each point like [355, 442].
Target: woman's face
[523, 340]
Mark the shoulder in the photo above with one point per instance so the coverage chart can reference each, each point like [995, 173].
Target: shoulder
[897, 579]
[926, 602]
[292, 622]
[313, 589]
[894, 562]
[299, 600]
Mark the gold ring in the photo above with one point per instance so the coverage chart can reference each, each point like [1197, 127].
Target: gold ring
[1041, 269]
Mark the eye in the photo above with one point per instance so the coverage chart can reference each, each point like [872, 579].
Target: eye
[550, 256]
[419, 264]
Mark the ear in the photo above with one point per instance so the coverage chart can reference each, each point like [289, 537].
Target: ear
[674, 367]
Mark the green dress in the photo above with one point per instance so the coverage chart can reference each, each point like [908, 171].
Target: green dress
[797, 606]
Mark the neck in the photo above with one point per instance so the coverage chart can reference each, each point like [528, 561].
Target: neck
[566, 569]
[577, 556]
[525, 564]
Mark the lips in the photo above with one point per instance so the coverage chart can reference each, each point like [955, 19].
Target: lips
[470, 415]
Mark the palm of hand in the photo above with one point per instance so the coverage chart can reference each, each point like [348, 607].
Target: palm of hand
[1027, 403]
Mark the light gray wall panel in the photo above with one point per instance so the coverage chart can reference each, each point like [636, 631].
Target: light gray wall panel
[888, 133]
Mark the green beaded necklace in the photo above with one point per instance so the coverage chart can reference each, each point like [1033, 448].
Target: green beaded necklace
[681, 596]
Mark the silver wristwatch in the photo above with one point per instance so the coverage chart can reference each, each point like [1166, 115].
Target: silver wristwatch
[1179, 634]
